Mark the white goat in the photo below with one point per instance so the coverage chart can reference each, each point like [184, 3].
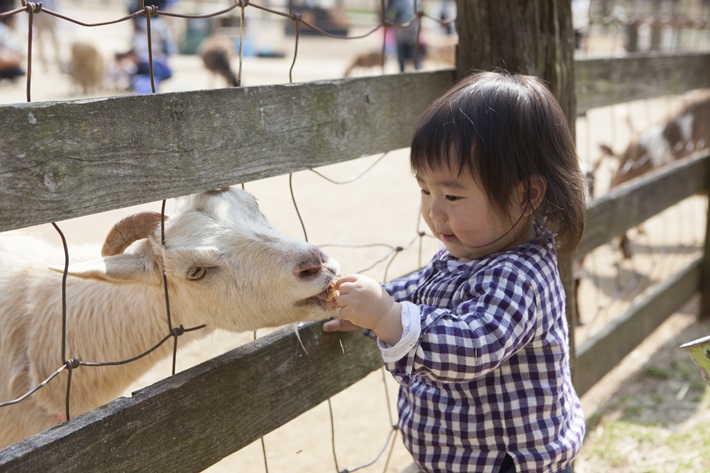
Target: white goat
[225, 267]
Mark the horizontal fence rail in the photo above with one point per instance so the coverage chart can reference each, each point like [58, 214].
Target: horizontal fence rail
[608, 81]
[600, 354]
[59, 158]
[634, 202]
[610, 216]
[165, 145]
[210, 410]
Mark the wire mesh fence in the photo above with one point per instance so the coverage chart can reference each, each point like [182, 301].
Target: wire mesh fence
[670, 240]
[280, 42]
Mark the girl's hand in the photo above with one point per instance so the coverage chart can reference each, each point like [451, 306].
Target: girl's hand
[364, 303]
[339, 325]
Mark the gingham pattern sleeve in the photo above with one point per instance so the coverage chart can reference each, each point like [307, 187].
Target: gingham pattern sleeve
[490, 317]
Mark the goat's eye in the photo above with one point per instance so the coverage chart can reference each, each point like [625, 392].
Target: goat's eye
[197, 273]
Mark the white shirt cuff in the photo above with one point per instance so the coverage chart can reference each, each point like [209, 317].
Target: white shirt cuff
[411, 329]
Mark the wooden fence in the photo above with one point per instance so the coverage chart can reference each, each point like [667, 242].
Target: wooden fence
[57, 160]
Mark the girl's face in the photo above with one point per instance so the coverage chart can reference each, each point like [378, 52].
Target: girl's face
[460, 214]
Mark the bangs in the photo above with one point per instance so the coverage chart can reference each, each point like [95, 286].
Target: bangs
[444, 139]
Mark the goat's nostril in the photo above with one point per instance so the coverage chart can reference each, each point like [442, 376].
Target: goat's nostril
[311, 265]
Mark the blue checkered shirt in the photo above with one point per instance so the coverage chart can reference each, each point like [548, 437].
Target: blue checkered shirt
[483, 364]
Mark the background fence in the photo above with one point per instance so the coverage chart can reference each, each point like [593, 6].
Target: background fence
[298, 124]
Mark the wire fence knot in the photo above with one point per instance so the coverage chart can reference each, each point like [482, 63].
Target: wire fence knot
[150, 10]
[73, 363]
[177, 331]
[32, 7]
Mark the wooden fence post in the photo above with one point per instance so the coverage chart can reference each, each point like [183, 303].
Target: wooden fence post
[492, 34]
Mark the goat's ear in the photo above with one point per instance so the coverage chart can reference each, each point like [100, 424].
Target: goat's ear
[123, 268]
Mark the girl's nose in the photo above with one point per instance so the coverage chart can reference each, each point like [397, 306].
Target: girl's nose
[436, 213]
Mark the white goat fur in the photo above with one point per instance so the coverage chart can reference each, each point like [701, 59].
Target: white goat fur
[255, 277]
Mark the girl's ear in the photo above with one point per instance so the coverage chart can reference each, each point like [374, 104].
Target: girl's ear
[530, 193]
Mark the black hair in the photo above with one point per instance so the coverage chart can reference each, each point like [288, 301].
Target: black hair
[502, 129]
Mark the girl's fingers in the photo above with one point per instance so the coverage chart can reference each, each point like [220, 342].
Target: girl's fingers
[345, 279]
[339, 325]
[332, 325]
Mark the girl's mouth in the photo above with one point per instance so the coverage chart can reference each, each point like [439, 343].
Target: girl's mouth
[447, 237]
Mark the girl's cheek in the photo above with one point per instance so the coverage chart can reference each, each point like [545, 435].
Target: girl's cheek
[424, 209]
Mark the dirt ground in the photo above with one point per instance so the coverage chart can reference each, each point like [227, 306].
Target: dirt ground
[656, 387]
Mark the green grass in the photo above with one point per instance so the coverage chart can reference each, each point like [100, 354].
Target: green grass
[629, 446]
[657, 421]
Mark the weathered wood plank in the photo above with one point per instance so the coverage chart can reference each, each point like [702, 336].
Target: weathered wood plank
[608, 81]
[61, 160]
[208, 412]
[600, 354]
[636, 201]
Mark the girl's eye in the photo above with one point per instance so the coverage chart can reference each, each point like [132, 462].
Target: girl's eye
[452, 198]
[197, 273]
[425, 192]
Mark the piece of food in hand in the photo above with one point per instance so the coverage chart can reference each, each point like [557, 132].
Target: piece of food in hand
[333, 293]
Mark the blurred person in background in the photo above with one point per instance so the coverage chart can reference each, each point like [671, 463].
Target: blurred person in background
[401, 12]
[580, 22]
[45, 28]
[11, 52]
[162, 43]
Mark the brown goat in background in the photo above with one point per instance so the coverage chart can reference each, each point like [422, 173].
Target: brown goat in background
[679, 136]
[87, 67]
[216, 53]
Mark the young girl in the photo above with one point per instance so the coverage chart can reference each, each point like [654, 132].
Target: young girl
[478, 338]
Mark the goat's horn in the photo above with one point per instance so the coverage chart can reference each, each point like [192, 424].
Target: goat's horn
[128, 230]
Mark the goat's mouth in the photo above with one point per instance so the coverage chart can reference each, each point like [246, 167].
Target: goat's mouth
[325, 299]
